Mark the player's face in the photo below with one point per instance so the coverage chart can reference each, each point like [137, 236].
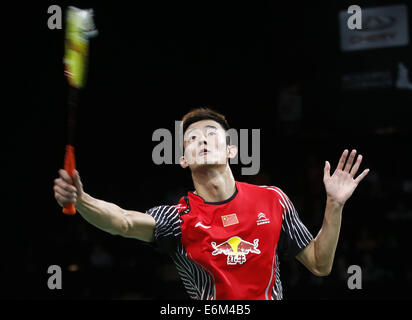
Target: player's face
[205, 144]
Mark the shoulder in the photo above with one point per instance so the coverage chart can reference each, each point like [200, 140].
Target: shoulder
[262, 190]
[163, 207]
[163, 211]
[167, 221]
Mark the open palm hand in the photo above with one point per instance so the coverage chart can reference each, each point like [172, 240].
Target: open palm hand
[340, 186]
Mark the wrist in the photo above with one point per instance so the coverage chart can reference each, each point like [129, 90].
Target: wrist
[81, 200]
[333, 203]
[333, 212]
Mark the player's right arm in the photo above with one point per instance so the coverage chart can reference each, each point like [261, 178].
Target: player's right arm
[103, 215]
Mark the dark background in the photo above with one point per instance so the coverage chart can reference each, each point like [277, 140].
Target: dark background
[150, 64]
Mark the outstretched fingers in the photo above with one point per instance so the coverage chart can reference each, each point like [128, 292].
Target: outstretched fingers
[342, 160]
[349, 163]
[361, 176]
[356, 166]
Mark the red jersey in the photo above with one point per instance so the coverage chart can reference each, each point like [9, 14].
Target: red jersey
[231, 249]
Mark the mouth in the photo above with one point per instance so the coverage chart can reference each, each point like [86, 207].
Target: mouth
[203, 152]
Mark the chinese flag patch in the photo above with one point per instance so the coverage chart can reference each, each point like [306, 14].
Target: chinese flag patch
[229, 220]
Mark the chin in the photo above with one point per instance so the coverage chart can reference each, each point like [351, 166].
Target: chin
[207, 164]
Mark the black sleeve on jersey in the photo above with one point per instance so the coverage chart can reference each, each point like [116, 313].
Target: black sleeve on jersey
[294, 236]
[287, 248]
[167, 231]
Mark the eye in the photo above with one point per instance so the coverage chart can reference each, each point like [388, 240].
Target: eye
[211, 133]
[192, 138]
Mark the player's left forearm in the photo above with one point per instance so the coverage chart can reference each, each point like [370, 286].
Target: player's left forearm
[327, 238]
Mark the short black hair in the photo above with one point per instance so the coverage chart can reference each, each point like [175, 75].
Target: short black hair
[204, 113]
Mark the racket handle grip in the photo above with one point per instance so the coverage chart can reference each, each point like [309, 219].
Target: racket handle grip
[69, 166]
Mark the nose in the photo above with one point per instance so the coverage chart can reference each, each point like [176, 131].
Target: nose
[202, 140]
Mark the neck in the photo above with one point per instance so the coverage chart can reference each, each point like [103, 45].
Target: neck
[214, 184]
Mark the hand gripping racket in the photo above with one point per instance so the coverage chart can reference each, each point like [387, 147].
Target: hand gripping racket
[79, 28]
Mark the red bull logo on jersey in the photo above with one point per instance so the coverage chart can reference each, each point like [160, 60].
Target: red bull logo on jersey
[236, 249]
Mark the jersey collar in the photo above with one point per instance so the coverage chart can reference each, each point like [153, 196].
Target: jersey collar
[199, 198]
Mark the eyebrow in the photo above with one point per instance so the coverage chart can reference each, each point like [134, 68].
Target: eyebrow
[208, 126]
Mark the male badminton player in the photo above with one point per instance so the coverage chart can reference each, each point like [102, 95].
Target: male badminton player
[226, 237]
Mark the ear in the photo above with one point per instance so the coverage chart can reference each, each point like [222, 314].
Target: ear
[232, 151]
[183, 162]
